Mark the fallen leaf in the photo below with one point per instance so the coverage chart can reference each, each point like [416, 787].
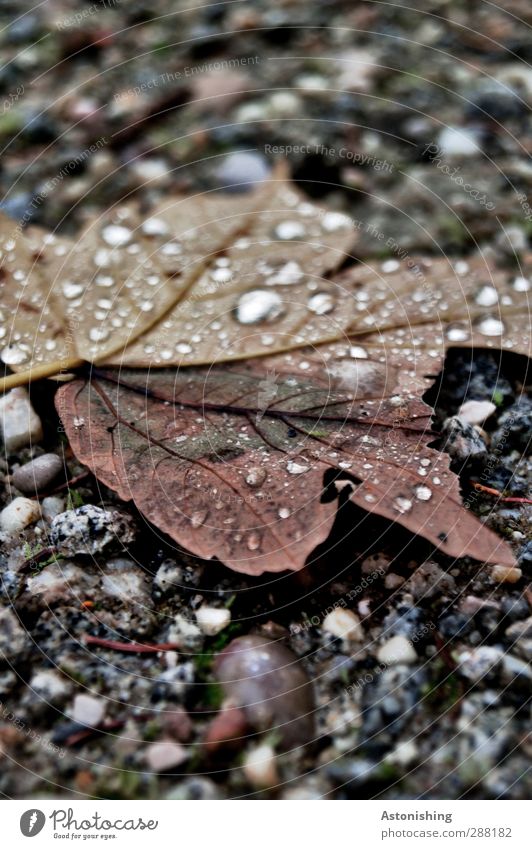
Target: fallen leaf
[166, 289]
[232, 461]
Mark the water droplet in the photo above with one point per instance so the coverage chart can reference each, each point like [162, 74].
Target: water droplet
[423, 493]
[283, 512]
[221, 275]
[357, 352]
[402, 504]
[295, 468]
[183, 348]
[258, 305]
[171, 249]
[256, 476]
[105, 281]
[146, 306]
[13, 355]
[489, 326]
[102, 258]
[321, 303]
[287, 275]
[72, 290]
[154, 227]
[333, 221]
[389, 266]
[115, 235]
[457, 333]
[287, 230]
[98, 334]
[521, 284]
[486, 296]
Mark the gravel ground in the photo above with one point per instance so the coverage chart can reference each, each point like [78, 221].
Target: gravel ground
[420, 665]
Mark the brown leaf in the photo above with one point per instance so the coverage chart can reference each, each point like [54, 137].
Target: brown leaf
[232, 461]
[149, 291]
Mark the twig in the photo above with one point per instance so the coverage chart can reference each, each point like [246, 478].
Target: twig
[507, 499]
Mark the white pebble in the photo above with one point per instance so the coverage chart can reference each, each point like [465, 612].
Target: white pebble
[260, 767]
[343, 624]
[476, 412]
[52, 506]
[88, 710]
[396, 650]
[19, 514]
[212, 620]
[19, 422]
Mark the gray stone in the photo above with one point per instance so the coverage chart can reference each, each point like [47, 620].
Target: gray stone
[37, 474]
[91, 530]
[19, 422]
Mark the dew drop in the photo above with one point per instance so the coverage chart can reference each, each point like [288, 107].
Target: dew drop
[521, 284]
[402, 504]
[287, 275]
[486, 296]
[389, 266]
[457, 333]
[258, 305]
[489, 326]
[72, 290]
[183, 348]
[13, 355]
[154, 227]
[423, 493]
[333, 221]
[115, 235]
[321, 303]
[98, 334]
[357, 352]
[171, 249]
[283, 512]
[288, 230]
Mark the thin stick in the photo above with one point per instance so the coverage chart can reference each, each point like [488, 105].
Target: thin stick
[39, 372]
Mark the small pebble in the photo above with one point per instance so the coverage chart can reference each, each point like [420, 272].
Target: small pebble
[480, 662]
[49, 686]
[165, 755]
[393, 581]
[52, 506]
[91, 530]
[38, 474]
[462, 441]
[125, 581]
[260, 767]
[506, 574]
[19, 514]
[212, 620]
[88, 710]
[19, 422]
[476, 412]
[269, 683]
[396, 650]
[343, 624]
